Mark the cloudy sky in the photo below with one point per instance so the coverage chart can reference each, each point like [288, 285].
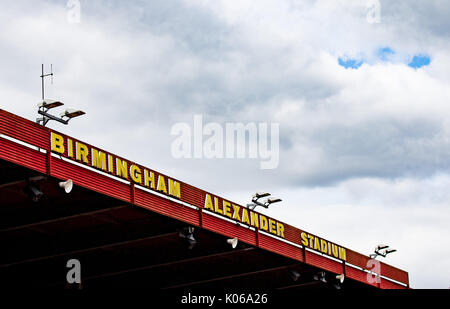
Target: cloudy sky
[361, 96]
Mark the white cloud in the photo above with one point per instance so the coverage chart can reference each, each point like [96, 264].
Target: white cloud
[353, 142]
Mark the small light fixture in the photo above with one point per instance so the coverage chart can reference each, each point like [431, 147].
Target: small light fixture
[33, 189]
[71, 113]
[66, 185]
[320, 276]
[341, 278]
[34, 192]
[233, 242]
[294, 275]
[48, 104]
[188, 234]
[258, 195]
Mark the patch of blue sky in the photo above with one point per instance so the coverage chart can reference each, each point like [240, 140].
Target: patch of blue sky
[385, 53]
[350, 62]
[419, 61]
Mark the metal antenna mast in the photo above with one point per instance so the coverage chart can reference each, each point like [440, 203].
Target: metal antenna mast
[46, 105]
[45, 75]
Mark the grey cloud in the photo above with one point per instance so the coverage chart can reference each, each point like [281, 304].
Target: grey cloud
[423, 17]
[384, 148]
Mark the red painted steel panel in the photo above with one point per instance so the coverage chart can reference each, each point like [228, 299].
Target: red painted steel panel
[386, 284]
[166, 207]
[292, 234]
[323, 262]
[90, 180]
[394, 273]
[22, 155]
[358, 275]
[24, 130]
[228, 229]
[357, 259]
[274, 245]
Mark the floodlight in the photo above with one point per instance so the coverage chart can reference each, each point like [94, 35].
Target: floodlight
[272, 200]
[341, 278]
[259, 195]
[233, 242]
[383, 253]
[35, 193]
[294, 275]
[390, 251]
[66, 185]
[48, 104]
[72, 113]
[192, 241]
[188, 234]
[380, 247]
[320, 276]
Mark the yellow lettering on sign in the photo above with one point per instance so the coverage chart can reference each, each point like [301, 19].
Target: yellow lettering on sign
[121, 168]
[69, 148]
[98, 159]
[311, 240]
[135, 173]
[57, 142]
[254, 219]
[82, 152]
[263, 223]
[149, 179]
[342, 254]
[272, 227]
[304, 239]
[161, 184]
[216, 206]
[236, 209]
[334, 248]
[280, 229]
[208, 202]
[110, 164]
[316, 244]
[174, 188]
[323, 246]
[245, 218]
[227, 208]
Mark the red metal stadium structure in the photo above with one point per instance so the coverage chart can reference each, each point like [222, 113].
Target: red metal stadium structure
[129, 225]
